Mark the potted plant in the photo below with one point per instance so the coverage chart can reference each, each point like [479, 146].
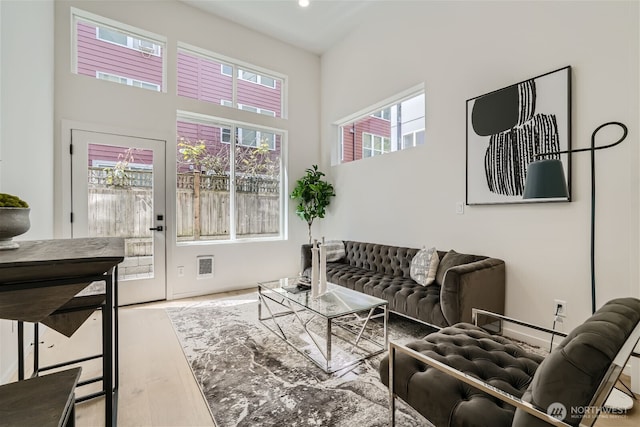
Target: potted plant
[14, 219]
[313, 195]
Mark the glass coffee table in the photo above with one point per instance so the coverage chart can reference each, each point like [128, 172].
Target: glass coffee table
[335, 331]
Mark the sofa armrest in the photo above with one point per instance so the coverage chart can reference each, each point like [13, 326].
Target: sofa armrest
[305, 257]
[479, 284]
[465, 378]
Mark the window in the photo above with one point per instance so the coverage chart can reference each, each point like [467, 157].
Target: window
[122, 39]
[395, 125]
[383, 114]
[127, 81]
[412, 139]
[109, 50]
[212, 78]
[225, 69]
[256, 78]
[373, 145]
[228, 188]
[257, 110]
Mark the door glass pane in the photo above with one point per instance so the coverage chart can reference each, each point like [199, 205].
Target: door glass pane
[120, 198]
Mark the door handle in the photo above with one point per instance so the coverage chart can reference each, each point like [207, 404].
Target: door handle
[158, 228]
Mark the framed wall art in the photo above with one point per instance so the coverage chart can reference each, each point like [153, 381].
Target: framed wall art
[508, 127]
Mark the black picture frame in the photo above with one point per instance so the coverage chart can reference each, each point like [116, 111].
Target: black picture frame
[506, 128]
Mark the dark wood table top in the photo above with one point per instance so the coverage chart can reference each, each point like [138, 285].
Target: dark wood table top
[60, 258]
[41, 401]
[36, 264]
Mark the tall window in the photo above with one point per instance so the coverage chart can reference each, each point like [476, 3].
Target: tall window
[398, 125]
[209, 77]
[229, 184]
[112, 51]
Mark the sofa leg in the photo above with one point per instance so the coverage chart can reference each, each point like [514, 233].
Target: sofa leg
[392, 395]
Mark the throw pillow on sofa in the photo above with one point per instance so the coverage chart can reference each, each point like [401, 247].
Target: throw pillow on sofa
[335, 250]
[424, 266]
[451, 259]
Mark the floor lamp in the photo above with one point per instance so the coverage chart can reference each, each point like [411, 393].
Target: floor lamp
[545, 179]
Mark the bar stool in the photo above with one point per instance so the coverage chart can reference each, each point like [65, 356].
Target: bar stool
[67, 320]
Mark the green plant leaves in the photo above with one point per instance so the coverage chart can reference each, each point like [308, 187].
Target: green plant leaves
[313, 195]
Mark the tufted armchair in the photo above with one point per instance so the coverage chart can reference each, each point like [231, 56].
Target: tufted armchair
[463, 376]
[462, 282]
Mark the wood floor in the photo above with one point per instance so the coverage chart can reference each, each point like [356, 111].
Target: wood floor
[157, 387]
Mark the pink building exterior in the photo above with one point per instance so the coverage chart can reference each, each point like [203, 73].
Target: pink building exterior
[205, 79]
[352, 141]
[100, 56]
[124, 61]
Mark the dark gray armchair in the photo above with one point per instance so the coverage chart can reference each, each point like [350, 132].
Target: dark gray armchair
[464, 376]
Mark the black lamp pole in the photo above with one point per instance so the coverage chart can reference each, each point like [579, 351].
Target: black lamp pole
[538, 182]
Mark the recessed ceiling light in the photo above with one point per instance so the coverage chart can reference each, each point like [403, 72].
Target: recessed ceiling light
[303, 3]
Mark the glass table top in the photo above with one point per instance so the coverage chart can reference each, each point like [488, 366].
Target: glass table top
[338, 301]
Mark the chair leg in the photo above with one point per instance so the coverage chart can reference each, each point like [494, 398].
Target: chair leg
[36, 349]
[20, 350]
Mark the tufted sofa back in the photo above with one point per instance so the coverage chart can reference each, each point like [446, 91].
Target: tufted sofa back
[388, 260]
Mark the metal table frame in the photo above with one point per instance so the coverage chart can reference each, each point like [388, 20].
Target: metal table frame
[109, 335]
[293, 308]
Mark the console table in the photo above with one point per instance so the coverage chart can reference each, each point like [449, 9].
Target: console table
[42, 275]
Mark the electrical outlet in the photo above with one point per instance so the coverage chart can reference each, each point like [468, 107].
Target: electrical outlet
[460, 208]
[181, 271]
[559, 308]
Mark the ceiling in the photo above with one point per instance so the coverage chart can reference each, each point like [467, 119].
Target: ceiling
[314, 28]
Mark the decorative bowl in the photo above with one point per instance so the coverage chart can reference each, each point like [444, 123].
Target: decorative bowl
[13, 222]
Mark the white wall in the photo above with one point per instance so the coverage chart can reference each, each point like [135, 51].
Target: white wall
[461, 50]
[26, 127]
[141, 112]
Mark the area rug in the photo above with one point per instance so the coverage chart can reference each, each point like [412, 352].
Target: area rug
[251, 377]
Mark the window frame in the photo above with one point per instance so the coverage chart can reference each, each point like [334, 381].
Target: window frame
[101, 21]
[233, 125]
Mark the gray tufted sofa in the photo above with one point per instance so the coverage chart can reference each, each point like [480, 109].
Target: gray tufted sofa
[462, 281]
[593, 353]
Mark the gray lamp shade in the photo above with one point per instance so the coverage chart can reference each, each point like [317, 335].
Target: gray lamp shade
[545, 180]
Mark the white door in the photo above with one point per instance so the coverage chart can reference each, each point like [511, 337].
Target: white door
[117, 190]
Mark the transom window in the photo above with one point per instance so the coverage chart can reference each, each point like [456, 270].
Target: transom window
[210, 77]
[389, 126]
[109, 50]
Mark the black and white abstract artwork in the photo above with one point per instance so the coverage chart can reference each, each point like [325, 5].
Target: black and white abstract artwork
[507, 128]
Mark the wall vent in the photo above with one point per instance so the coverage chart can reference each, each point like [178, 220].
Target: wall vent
[205, 266]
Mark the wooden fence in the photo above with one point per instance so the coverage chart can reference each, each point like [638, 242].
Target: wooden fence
[202, 208]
